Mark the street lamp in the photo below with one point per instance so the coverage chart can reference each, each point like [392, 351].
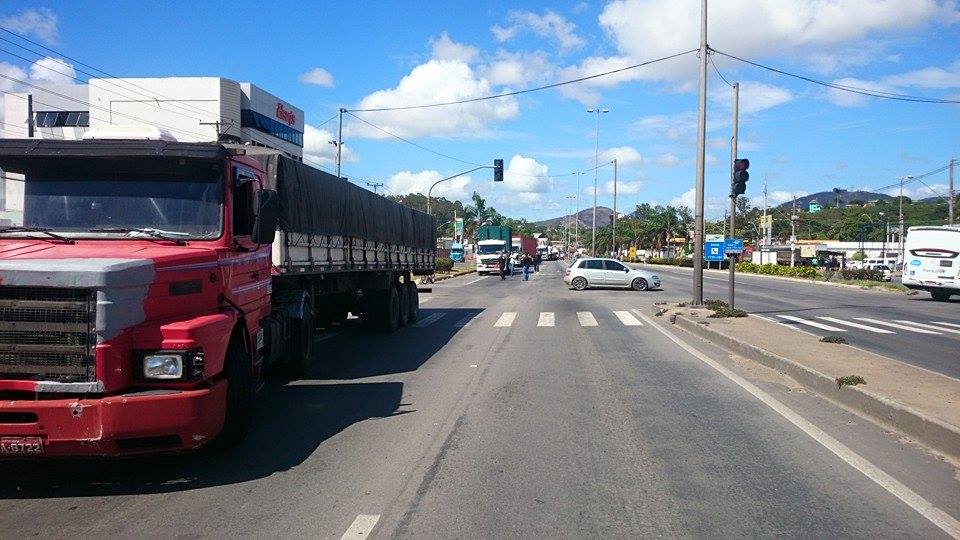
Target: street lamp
[596, 165]
[900, 230]
[566, 250]
[497, 177]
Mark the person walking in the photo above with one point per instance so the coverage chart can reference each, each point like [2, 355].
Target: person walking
[526, 261]
[502, 263]
[537, 259]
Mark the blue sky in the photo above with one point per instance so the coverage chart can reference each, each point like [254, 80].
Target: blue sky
[801, 137]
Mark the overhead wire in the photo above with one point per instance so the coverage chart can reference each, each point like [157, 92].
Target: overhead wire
[715, 68]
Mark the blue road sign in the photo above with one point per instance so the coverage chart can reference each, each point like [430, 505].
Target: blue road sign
[713, 251]
[733, 245]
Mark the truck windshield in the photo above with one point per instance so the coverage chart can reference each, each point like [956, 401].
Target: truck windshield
[92, 207]
[489, 249]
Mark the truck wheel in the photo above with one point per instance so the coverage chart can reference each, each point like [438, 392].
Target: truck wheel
[940, 296]
[403, 304]
[238, 371]
[413, 309]
[301, 343]
[579, 283]
[639, 284]
[385, 313]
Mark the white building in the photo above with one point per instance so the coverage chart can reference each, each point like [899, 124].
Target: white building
[191, 109]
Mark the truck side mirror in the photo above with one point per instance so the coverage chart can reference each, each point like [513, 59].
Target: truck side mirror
[266, 206]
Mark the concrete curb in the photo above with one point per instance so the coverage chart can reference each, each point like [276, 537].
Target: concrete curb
[785, 278]
[932, 432]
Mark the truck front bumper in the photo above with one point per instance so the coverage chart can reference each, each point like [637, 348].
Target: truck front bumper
[137, 423]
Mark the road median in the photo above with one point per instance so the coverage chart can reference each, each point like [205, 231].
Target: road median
[920, 404]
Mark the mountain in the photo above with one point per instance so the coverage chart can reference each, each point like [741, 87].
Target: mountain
[829, 198]
[585, 217]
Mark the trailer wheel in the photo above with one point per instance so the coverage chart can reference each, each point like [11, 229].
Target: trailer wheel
[301, 343]
[403, 304]
[389, 310]
[413, 312]
[940, 296]
[238, 371]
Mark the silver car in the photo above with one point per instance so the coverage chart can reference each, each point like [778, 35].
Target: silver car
[593, 272]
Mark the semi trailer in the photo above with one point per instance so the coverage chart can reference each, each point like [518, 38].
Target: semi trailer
[152, 284]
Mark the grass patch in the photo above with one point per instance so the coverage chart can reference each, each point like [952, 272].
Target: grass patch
[715, 304]
[725, 312]
[833, 339]
[850, 380]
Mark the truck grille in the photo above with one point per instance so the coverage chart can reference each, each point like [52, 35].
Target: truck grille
[47, 334]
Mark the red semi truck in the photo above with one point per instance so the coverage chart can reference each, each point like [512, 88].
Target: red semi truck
[152, 283]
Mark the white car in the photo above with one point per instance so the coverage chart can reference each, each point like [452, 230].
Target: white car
[885, 270]
[595, 272]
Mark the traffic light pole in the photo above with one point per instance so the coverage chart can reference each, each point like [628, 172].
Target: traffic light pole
[733, 196]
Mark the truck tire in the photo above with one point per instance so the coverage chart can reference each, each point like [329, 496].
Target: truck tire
[579, 283]
[301, 343]
[413, 309]
[238, 371]
[940, 296]
[639, 284]
[403, 304]
[383, 310]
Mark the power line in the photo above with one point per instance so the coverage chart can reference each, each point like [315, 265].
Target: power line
[915, 178]
[528, 90]
[843, 87]
[715, 68]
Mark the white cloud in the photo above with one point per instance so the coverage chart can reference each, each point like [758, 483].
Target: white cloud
[317, 76]
[713, 207]
[41, 23]
[445, 48]
[919, 192]
[405, 182]
[524, 174]
[775, 198]
[52, 71]
[754, 96]
[931, 77]
[623, 188]
[518, 69]
[667, 159]
[850, 99]
[317, 147]
[670, 126]
[625, 156]
[549, 25]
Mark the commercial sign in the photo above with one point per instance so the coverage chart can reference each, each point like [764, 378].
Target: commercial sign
[458, 230]
[733, 245]
[713, 251]
[808, 250]
[714, 238]
[286, 115]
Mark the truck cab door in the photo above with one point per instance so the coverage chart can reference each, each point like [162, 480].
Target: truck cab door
[246, 267]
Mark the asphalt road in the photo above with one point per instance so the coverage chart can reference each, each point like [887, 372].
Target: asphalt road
[512, 409]
[914, 329]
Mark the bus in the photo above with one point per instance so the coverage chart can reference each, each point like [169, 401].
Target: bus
[932, 261]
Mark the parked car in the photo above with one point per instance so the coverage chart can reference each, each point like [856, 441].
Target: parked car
[887, 273]
[595, 272]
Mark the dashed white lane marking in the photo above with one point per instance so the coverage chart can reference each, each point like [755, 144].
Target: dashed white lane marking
[546, 319]
[873, 329]
[929, 327]
[506, 319]
[465, 321]
[946, 323]
[474, 281]
[812, 323]
[586, 318]
[938, 517]
[627, 319]
[895, 325]
[361, 527]
[428, 320]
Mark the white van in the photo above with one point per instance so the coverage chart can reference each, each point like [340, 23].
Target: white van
[932, 260]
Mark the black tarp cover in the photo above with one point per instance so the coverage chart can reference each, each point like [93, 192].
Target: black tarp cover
[319, 203]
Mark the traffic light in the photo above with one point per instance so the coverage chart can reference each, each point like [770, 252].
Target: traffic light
[740, 177]
[498, 170]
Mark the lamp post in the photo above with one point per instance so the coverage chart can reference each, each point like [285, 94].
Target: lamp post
[497, 177]
[566, 249]
[900, 230]
[596, 166]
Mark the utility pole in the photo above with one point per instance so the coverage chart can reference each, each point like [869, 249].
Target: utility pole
[615, 250]
[576, 215]
[953, 195]
[596, 171]
[900, 230]
[765, 241]
[793, 231]
[375, 185]
[733, 196]
[701, 156]
[340, 138]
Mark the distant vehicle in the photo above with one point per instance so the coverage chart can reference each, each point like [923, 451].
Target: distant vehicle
[456, 252]
[492, 240]
[520, 245]
[887, 273]
[890, 262]
[932, 261]
[594, 272]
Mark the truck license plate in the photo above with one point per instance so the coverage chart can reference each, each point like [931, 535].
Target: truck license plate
[21, 445]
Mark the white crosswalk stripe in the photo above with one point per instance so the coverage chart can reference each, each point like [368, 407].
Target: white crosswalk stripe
[873, 329]
[428, 320]
[946, 323]
[506, 319]
[812, 323]
[896, 325]
[546, 319]
[627, 318]
[929, 327]
[586, 318]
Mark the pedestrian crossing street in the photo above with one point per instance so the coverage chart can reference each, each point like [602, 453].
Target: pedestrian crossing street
[872, 325]
[545, 319]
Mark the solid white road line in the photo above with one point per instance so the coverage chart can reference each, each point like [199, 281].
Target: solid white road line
[361, 527]
[895, 325]
[586, 318]
[812, 323]
[547, 318]
[474, 281]
[627, 319]
[946, 323]
[938, 517]
[506, 319]
[858, 325]
[428, 320]
[465, 321]
[929, 327]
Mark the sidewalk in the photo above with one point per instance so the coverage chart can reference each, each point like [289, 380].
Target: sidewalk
[918, 403]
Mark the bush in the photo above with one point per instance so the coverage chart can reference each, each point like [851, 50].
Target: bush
[808, 272]
[444, 264]
[861, 273]
[684, 262]
[833, 339]
[724, 312]
[850, 380]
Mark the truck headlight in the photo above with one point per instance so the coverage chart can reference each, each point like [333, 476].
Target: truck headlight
[163, 366]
